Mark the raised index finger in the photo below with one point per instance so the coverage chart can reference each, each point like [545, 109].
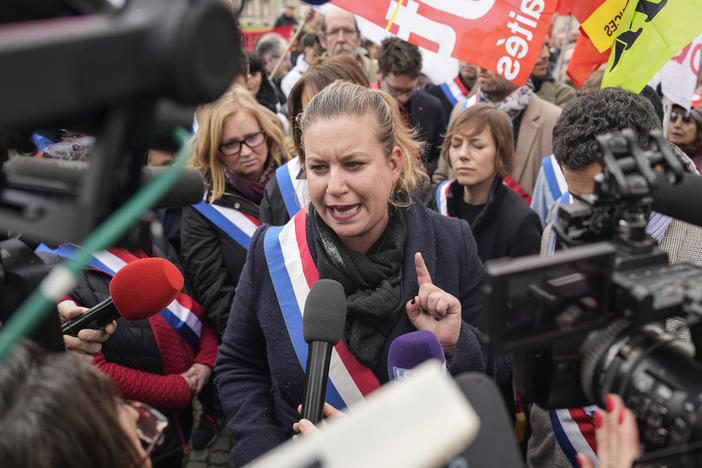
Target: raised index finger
[423, 276]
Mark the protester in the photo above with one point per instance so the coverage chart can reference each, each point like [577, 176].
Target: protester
[685, 130]
[456, 89]
[287, 17]
[545, 86]
[480, 149]
[253, 80]
[308, 45]
[340, 36]
[402, 266]
[56, 410]
[286, 192]
[400, 64]
[238, 146]
[590, 115]
[271, 48]
[532, 121]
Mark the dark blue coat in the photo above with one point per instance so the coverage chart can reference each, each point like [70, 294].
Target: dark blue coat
[259, 377]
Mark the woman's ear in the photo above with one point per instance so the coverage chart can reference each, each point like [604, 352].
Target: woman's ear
[395, 161]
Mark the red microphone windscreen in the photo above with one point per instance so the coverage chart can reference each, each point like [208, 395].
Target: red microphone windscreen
[145, 287]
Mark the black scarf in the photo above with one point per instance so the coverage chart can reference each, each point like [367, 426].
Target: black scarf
[372, 282]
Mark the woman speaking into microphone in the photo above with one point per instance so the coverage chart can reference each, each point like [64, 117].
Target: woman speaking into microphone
[402, 267]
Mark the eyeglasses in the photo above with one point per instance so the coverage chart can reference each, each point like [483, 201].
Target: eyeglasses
[233, 147]
[344, 32]
[686, 117]
[75, 151]
[150, 425]
[397, 92]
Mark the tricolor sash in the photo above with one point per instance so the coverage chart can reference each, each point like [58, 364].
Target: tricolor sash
[470, 101]
[554, 177]
[575, 432]
[454, 90]
[293, 273]
[178, 313]
[442, 196]
[294, 190]
[237, 225]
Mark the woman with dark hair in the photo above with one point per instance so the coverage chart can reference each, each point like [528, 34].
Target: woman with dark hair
[685, 130]
[479, 146]
[403, 268]
[286, 193]
[58, 411]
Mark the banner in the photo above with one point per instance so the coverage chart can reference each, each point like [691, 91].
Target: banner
[651, 33]
[585, 60]
[678, 77]
[504, 36]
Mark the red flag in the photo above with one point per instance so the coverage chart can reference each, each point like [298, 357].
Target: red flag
[581, 9]
[585, 60]
[504, 36]
[563, 9]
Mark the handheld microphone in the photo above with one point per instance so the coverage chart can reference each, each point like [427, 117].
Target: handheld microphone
[23, 172]
[139, 290]
[322, 326]
[410, 350]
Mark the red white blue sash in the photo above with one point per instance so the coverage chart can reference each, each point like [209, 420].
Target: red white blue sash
[575, 432]
[454, 90]
[178, 313]
[554, 177]
[293, 273]
[239, 226]
[442, 196]
[470, 101]
[294, 190]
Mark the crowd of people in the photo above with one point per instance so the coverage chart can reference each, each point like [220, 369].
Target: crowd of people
[324, 160]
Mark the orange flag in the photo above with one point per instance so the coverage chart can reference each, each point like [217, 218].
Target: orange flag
[585, 60]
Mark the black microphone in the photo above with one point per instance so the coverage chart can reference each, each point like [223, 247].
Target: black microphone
[140, 289]
[62, 176]
[496, 429]
[322, 326]
[681, 200]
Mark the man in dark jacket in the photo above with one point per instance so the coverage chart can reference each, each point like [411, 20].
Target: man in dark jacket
[400, 63]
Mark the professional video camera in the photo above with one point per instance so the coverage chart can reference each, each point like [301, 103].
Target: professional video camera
[590, 320]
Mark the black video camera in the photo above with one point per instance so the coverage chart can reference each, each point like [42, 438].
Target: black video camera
[594, 318]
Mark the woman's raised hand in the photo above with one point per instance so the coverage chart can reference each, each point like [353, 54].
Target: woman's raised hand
[434, 309]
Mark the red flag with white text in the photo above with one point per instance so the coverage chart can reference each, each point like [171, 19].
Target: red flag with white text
[504, 36]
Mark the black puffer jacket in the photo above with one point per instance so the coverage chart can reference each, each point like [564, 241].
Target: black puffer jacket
[212, 259]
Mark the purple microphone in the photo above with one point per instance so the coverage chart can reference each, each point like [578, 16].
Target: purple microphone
[410, 350]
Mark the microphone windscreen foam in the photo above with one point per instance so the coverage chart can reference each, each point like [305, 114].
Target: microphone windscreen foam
[325, 312]
[411, 349]
[145, 287]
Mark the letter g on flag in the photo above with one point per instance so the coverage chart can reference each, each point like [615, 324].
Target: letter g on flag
[467, 9]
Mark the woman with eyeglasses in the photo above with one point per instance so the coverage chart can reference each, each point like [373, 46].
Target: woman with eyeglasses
[685, 130]
[238, 146]
[402, 267]
[56, 410]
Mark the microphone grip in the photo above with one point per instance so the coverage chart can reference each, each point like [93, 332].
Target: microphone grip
[318, 359]
[96, 317]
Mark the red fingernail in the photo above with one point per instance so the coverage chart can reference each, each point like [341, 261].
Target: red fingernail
[598, 419]
[620, 419]
[610, 403]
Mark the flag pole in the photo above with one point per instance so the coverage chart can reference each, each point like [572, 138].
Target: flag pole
[285, 54]
[559, 62]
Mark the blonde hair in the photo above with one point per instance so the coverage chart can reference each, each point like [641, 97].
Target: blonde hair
[345, 99]
[206, 156]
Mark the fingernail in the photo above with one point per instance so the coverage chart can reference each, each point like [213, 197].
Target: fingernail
[579, 459]
[598, 419]
[610, 403]
[620, 419]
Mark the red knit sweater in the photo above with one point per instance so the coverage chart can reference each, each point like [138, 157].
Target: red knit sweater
[169, 392]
